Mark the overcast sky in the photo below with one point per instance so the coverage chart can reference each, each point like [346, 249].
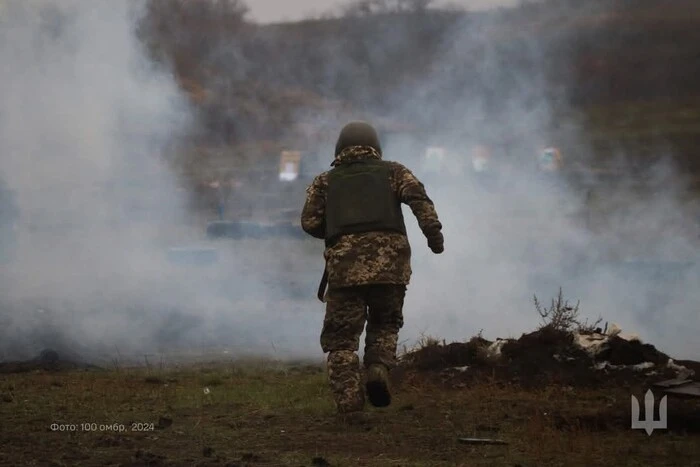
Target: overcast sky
[267, 11]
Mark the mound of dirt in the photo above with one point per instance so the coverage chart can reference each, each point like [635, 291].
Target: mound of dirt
[544, 357]
[456, 354]
[623, 352]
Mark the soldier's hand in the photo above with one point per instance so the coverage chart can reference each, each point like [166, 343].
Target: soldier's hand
[436, 243]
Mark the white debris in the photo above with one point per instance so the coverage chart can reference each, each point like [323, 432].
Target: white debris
[459, 368]
[591, 343]
[206, 391]
[686, 372]
[494, 349]
[601, 365]
[596, 342]
[642, 366]
[630, 337]
[559, 358]
[638, 367]
[608, 366]
[615, 330]
[674, 366]
[682, 371]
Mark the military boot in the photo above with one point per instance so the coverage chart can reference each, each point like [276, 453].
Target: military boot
[378, 385]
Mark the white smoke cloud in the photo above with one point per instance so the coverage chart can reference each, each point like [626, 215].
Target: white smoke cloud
[85, 119]
[531, 235]
[84, 116]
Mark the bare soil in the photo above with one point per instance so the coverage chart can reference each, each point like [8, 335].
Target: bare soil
[547, 410]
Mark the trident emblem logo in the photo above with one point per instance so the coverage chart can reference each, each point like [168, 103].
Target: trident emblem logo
[648, 423]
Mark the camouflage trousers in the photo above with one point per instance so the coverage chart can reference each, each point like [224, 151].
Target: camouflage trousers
[348, 309]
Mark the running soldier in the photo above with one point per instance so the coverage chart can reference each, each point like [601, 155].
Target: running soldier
[356, 208]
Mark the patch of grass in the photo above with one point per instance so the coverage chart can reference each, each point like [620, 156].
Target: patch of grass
[424, 342]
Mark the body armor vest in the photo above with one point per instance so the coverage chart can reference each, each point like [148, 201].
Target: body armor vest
[360, 199]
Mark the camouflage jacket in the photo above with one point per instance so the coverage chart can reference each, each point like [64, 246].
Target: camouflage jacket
[372, 257]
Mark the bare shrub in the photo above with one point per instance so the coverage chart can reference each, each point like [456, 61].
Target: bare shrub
[562, 316]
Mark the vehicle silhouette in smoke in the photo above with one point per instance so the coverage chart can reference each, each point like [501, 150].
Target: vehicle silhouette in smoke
[279, 197]
[258, 204]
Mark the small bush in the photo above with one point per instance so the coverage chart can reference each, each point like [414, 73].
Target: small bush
[561, 316]
[428, 341]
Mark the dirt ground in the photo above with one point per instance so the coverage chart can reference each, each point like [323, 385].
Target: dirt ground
[266, 413]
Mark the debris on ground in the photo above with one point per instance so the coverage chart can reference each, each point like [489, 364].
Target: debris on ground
[680, 387]
[320, 462]
[483, 441]
[164, 422]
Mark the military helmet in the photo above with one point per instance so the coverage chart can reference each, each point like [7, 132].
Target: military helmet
[357, 134]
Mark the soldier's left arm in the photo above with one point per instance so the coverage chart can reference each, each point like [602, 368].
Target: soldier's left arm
[411, 191]
[313, 215]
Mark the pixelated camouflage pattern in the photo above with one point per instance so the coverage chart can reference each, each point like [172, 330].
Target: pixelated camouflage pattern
[346, 381]
[347, 311]
[372, 257]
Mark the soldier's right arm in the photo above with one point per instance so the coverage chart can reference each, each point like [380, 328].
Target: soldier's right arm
[412, 192]
[313, 216]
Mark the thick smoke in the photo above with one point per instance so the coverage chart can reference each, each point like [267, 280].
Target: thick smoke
[86, 118]
[87, 122]
[627, 254]
[626, 249]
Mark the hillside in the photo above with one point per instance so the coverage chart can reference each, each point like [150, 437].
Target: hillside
[558, 64]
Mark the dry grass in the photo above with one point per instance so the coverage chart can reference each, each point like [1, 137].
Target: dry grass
[272, 414]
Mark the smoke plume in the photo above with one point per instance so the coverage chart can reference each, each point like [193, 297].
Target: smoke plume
[88, 122]
[86, 126]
